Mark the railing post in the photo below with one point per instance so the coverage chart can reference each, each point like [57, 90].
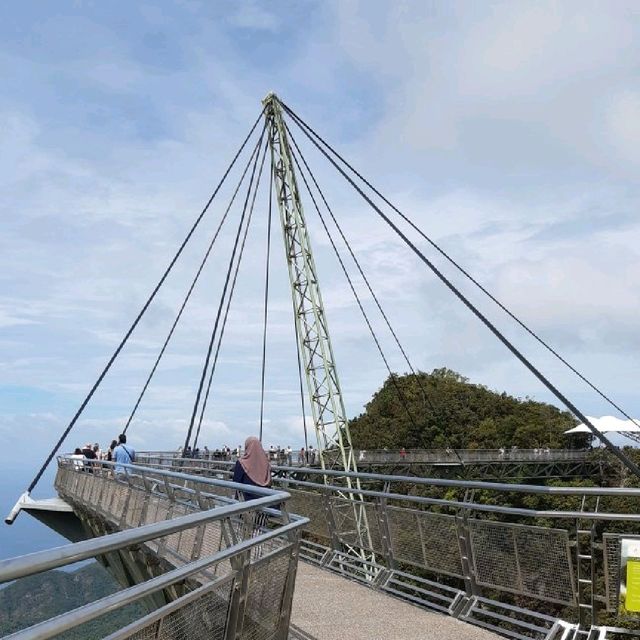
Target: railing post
[235, 620]
[385, 533]
[331, 522]
[122, 523]
[287, 596]
[465, 546]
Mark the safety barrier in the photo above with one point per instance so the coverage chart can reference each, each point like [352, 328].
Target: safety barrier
[463, 547]
[228, 567]
[419, 456]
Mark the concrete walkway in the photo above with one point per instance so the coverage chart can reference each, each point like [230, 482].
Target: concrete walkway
[329, 607]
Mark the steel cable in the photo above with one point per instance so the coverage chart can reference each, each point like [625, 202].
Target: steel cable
[219, 312]
[190, 291]
[146, 305]
[228, 304]
[460, 268]
[497, 333]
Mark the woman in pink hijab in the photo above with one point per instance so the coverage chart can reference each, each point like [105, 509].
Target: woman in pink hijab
[253, 467]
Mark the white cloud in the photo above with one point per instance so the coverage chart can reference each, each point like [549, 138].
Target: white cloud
[251, 15]
[507, 131]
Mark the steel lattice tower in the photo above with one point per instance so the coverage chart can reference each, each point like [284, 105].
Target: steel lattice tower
[327, 406]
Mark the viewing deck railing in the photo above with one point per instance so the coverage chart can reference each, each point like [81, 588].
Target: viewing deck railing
[411, 456]
[527, 561]
[224, 569]
[458, 456]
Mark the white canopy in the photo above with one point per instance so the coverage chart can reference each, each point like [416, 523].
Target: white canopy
[608, 424]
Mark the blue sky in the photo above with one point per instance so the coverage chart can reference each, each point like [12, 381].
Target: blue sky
[509, 131]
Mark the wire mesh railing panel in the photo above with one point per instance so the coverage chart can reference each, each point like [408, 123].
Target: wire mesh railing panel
[494, 555]
[310, 505]
[96, 487]
[545, 563]
[149, 632]
[172, 541]
[267, 582]
[87, 486]
[204, 618]
[133, 514]
[118, 504]
[356, 523]
[187, 543]
[611, 542]
[106, 496]
[211, 539]
[404, 532]
[423, 539]
[531, 561]
[440, 543]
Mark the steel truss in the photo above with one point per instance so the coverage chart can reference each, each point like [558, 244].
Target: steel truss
[325, 396]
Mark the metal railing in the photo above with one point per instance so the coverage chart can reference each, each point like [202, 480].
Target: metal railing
[228, 567]
[409, 456]
[468, 456]
[523, 560]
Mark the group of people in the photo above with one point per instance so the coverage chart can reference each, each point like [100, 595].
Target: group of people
[119, 452]
[275, 454]
[225, 453]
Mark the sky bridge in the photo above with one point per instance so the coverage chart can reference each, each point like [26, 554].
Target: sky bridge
[294, 563]
[354, 544]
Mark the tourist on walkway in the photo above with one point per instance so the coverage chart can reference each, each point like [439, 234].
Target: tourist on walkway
[87, 452]
[112, 446]
[123, 454]
[78, 459]
[253, 468]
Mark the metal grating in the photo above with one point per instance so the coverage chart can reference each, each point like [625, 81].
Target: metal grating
[267, 582]
[531, 561]
[204, 618]
[133, 515]
[345, 513]
[310, 505]
[423, 539]
[611, 543]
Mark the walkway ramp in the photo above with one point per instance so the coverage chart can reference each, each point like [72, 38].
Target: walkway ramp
[327, 606]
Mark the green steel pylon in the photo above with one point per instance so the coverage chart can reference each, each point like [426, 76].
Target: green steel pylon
[325, 396]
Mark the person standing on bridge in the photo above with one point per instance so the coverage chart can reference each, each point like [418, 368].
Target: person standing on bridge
[253, 468]
[123, 454]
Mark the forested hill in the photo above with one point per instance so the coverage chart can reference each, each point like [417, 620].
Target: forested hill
[452, 412]
[37, 598]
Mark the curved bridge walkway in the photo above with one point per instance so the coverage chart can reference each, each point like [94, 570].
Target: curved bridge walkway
[327, 606]
[388, 565]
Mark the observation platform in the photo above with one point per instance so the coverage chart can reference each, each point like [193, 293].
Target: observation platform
[407, 558]
[327, 606]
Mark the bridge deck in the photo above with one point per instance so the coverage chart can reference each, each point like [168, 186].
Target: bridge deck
[327, 606]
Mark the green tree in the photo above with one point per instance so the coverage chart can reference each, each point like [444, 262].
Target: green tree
[444, 409]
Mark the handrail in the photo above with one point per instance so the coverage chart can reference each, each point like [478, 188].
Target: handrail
[268, 503]
[13, 568]
[22, 566]
[438, 482]
[474, 506]
[80, 615]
